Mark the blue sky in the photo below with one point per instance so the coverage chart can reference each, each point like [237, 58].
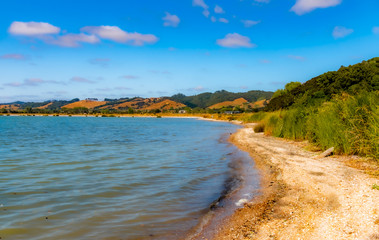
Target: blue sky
[66, 49]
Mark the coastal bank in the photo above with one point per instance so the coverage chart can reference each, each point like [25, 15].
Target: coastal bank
[302, 196]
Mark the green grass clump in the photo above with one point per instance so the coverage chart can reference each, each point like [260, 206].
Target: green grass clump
[348, 123]
[375, 186]
[260, 127]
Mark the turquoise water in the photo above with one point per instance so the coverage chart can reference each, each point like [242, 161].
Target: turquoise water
[109, 178]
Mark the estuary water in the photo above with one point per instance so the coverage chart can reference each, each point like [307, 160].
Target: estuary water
[110, 178]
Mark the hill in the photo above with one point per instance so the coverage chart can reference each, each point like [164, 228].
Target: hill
[353, 79]
[142, 104]
[85, 104]
[208, 99]
[235, 103]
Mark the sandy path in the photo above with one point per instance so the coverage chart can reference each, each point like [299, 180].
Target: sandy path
[304, 197]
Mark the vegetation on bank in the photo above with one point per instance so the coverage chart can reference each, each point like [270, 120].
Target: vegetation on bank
[348, 123]
[337, 109]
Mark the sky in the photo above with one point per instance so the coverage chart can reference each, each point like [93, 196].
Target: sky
[122, 48]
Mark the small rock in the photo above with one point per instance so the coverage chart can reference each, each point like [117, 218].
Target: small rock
[327, 153]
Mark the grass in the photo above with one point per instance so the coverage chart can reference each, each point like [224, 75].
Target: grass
[375, 186]
[260, 127]
[348, 123]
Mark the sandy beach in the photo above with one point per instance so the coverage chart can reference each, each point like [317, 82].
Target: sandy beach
[303, 196]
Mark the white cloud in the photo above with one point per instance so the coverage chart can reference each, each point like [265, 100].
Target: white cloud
[375, 30]
[298, 58]
[219, 9]
[32, 28]
[71, 40]
[116, 34]
[129, 77]
[32, 82]
[201, 3]
[197, 89]
[304, 6]
[213, 19]
[235, 40]
[13, 56]
[100, 61]
[262, 1]
[81, 80]
[170, 20]
[223, 20]
[341, 32]
[265, 61]
[249, 23]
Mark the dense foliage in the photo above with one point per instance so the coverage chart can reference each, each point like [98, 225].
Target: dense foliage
[352, 79]
[207, 99]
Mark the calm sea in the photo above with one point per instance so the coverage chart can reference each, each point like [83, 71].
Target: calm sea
[110, 178]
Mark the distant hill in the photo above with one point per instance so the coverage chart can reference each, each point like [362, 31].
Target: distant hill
[143, 104]
[215, 100]
[235, 103]
[208, 99]
[353, 79]
[85, 104]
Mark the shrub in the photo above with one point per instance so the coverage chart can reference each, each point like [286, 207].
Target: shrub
[260, 127]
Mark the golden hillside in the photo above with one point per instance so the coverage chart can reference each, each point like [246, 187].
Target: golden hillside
[9, 106]
[165, 105]
[147, 104]
[85, 103]
[235, 103]
[45, 106]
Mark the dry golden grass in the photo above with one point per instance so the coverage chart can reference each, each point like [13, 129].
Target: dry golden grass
[9, 106]
[164, 105]
[235, 103]
[44, 106]
[85, 103]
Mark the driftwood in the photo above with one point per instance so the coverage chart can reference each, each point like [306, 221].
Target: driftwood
[327, 153]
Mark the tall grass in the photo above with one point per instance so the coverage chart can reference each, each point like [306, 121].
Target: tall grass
[348, 123]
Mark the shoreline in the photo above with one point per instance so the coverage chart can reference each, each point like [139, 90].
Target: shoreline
[302, 196]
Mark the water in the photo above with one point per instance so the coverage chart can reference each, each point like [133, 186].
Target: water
[109, 178]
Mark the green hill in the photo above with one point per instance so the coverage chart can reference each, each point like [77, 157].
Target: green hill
[207, 99]
[353, 79]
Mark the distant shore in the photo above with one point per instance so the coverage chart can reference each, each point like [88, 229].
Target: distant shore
[303, 196]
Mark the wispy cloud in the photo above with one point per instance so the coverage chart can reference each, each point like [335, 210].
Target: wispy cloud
[298, 58]
[341, 32]
[262, 1]
[159, 72]
[265, 61]
[81, 80]
[71, 40]
[305, 6]
[32, 28]
[103, 62]
[201, 3]
[375, 30]
[197, 89]
[116, 34]
[13, 56]
[129, 77]
[223, 20]
[33, 82]
[170, 20]
[235, 40]
[249, 23]
[219, 9]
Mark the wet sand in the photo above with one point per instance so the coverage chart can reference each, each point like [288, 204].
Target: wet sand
[302, 196]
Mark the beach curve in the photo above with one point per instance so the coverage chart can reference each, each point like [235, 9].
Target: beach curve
[303, 196]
